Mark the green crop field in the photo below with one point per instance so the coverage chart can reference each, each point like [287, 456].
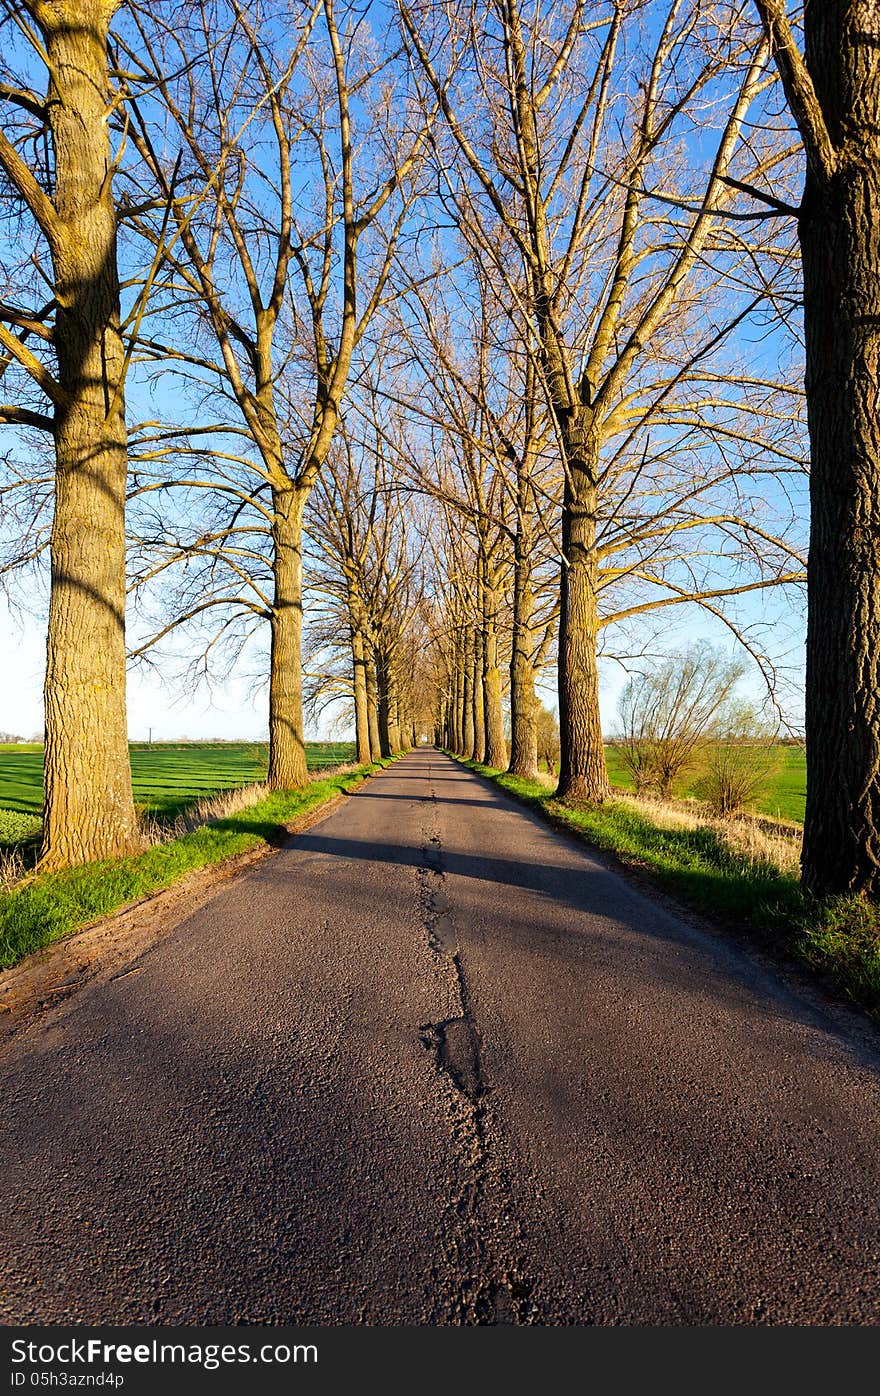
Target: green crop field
[783, 794]
[167, 777]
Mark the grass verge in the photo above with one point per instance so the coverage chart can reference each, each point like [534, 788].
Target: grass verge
[45, 907]
[838, 940]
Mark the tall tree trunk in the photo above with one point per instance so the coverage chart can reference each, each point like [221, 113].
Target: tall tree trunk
[523, 702]
[90, 812]
[394, 739]
[361, 714]
[840, 242]
[496, 746]
[382, 695]
[582, 770]
[287, 748]
[372, 707]
[459, 692]
[389, 730]
[467, 735]
[479, 751]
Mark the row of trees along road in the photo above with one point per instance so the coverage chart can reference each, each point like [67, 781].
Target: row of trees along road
[469, 331]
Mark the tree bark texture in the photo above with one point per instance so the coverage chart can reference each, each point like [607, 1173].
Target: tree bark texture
[361, 713]
[373, 707]
[287, 748]
[582, 771]
[840, 242]
[523, 703]
[89, 809]
[496, 745]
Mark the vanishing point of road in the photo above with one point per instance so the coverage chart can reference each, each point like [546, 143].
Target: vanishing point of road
[433, 1063]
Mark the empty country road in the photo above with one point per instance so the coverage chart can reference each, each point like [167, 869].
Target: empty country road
[435, 1064]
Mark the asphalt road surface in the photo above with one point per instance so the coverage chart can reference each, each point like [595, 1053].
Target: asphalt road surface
[433, 1063]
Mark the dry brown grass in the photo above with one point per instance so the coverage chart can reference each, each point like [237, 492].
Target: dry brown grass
[746, 835]
[225, 803]
[207, 810]
[12, 868]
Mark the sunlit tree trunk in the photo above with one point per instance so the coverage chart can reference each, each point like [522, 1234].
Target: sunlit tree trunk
[287, 748]
[467, 736]
[496, 746]
[460, 688]
[372, 708]
[361, 713]
[523, 703]
[394, 717]
[90, 812]
[462, 691]
[582, 770]
[479, 750]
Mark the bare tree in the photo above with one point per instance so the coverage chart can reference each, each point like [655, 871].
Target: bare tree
[342, 523]
[740, 759]
[573, 116]
[474, 392]
[251, 230]
[366, 569]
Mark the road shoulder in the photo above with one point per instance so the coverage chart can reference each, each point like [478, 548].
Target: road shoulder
[39, 990]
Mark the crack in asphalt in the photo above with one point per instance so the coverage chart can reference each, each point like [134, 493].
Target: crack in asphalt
[491, 1289]
[457, 1051]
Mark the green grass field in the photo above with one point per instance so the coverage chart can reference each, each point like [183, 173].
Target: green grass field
[782, 797]
[167, 778]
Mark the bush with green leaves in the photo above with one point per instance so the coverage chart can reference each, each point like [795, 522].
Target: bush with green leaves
[19, 826]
